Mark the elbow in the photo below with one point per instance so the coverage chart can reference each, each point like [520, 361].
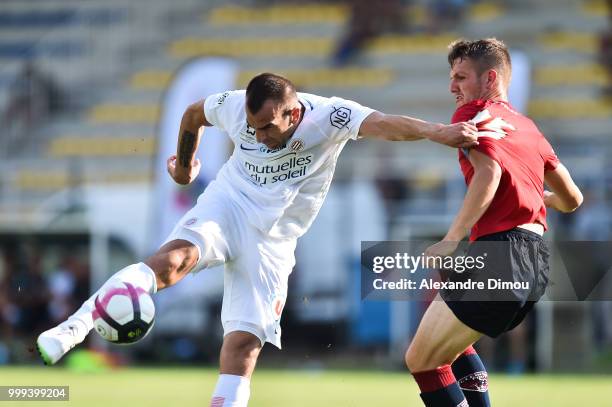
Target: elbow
[193, 118]
[573, 202]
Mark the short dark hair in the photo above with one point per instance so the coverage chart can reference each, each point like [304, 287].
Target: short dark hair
[267, 86]
[487, 53]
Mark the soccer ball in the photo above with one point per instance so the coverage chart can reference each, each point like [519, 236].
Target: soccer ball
[123, 313]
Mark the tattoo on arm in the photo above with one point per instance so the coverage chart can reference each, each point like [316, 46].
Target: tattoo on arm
[186, 148]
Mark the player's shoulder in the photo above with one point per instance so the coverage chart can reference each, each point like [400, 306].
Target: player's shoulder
[224, 109]
[468, 111]
[507, 112]
[483, 111]
[227, 97]
[317, 104]
[330, 113]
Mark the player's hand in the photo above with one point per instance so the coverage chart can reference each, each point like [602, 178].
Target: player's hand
[183, 176]
[461, 135]
[441, 249]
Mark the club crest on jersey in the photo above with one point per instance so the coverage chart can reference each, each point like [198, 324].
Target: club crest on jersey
[340, 117]
[492, 127]
[296, 145]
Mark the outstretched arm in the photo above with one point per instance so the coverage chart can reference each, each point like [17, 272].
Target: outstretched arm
[184, 167]
[565, 196]
[404, 128]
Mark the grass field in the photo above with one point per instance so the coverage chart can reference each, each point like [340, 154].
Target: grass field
[294, 388]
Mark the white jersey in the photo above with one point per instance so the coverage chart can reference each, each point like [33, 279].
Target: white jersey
[282, 190]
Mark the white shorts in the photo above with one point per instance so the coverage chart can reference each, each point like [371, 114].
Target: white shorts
[257, 266]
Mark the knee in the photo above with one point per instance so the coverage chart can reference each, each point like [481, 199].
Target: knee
[239, 354]
[244, 348]
[170, 264]
[419, 360]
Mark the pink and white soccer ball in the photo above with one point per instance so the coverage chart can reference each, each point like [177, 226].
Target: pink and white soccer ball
[123, 313]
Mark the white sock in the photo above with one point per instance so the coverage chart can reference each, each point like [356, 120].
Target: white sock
[231, 391]
[139, 275]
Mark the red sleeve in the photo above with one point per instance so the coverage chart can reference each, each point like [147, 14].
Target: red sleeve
[485, 145]
[548, 155]
[488, 147]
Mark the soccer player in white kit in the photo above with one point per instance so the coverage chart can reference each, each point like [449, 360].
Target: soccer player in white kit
[249, 218]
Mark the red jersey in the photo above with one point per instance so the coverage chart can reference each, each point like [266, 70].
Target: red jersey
[522, 152]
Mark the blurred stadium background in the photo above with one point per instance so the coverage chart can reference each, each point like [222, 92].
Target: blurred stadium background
[90, 92]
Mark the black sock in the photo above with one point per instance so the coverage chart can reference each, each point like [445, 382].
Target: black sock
[472, 378]
[439, 388]
[449, 396]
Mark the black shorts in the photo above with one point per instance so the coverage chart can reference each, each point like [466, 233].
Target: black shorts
[514, 276]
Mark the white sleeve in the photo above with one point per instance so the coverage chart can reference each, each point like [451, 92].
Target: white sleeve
[222, 109]
[345, 118]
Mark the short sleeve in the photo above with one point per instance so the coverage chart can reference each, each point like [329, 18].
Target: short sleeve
[551, 161]
[345, 118]
[221, 109]
[488, 147]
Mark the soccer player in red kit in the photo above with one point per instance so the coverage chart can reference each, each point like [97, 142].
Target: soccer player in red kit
[505, 210]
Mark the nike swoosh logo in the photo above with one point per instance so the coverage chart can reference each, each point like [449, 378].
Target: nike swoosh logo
[248, 149]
